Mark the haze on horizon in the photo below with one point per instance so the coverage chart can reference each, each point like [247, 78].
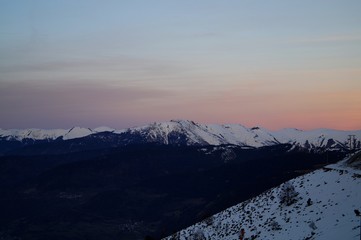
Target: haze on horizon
[90, 63]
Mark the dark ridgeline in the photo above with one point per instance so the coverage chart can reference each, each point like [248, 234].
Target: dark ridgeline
[106, 187]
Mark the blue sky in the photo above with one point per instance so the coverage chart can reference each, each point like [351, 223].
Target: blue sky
[124, 63]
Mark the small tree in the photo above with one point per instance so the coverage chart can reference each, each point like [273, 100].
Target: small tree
[209, 221]
[275, 226]
[312, 225]
[287, 194]
[199, 235]
[175, 236]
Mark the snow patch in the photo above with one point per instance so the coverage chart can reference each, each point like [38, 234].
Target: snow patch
[323, 209]
[204, 134]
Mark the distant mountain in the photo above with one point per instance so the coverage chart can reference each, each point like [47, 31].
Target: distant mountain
[153, 180]
[184, 132]
[51, 134]
[318, 205]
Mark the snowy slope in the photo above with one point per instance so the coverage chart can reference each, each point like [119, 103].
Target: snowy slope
[315, 138]
[214, 134]
[51, 134]
[334, 193]
[191, 133]
[202, 134]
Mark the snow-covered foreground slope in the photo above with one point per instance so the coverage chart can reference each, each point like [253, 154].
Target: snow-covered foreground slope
[191, 133]
[323, 209]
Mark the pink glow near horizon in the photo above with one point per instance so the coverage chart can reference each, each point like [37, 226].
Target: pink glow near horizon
[266, 103]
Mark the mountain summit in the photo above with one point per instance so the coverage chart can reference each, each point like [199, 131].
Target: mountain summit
[185, 132]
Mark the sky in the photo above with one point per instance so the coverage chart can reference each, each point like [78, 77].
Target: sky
[90, 63]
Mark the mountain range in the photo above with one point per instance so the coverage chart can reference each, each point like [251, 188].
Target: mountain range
[153, 180]
[184, 132]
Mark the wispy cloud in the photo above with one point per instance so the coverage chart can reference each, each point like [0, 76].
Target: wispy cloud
[121, 62]
[330, 39]
[34, 104]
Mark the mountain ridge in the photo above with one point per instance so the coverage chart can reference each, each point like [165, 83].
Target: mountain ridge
[186, 132]
[322, 207]
[149, 173]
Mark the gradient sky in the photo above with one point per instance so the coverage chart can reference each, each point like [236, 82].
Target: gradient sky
[125, 63]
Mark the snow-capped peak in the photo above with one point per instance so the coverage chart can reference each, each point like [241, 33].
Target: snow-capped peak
[326, 138]
[192, 133]
[50, 134]
[77, 132]
[32, 133]
[103, 129]
[204, 134]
